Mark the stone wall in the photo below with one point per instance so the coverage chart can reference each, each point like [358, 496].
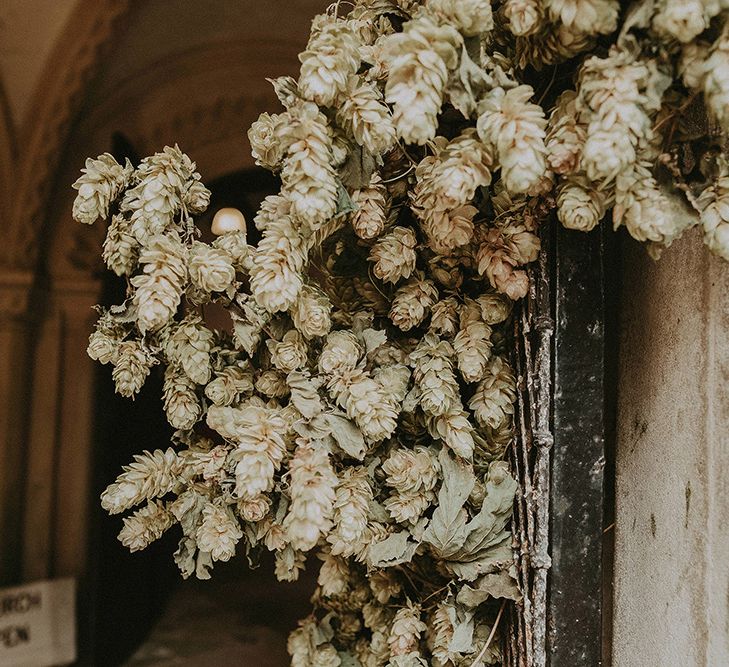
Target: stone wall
[672, 487]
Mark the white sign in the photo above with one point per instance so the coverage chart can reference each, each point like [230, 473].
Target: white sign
[38, 624]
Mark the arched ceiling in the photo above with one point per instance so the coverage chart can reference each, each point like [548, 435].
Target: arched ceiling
[28, 31]
[159, 30]
[155, 30]
[166, 71]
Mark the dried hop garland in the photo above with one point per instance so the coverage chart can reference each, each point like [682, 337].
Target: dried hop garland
[361, 404]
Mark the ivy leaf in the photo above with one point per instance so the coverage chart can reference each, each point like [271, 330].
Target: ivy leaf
[393, 550]
[447, 530]
[347, 436]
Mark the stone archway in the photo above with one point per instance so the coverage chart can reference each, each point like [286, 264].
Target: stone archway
[107, 74]
[26, 177]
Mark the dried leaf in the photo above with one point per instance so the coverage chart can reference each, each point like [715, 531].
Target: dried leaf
[317, 428]
[492, 560]
[497, 585]
[187, 562]
[463, 626]
[385, 7]
[187, 509]
[347, 436]
[304, 395]
[185, 556]
[348, 660]
[467, 85]
[344, 201]
[393, 550]
[447, 530]
[357, 171]
[373, 338]
[637, 16]
[488, 526]
[286, 89]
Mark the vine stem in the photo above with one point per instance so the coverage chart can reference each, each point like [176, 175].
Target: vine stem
[530, 459]
[482, 652]
[399, 176]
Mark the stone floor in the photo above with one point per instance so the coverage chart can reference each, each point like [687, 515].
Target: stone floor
[229, 620]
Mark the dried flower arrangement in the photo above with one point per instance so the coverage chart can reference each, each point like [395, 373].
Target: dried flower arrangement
[362, 403]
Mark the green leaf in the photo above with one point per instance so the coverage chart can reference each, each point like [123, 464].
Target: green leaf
[447, 530]
[393, 550]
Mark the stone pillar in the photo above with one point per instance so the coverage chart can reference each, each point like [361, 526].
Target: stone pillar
[16, 336]
[58, 489]
[672, 486]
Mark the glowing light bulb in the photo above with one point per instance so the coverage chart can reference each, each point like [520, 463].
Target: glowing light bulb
[228, 220]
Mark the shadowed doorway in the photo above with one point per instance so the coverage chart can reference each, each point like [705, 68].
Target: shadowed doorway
[142, 612]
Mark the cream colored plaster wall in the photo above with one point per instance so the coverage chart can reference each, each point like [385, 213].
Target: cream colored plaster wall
[672, 531]
[28, 32]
